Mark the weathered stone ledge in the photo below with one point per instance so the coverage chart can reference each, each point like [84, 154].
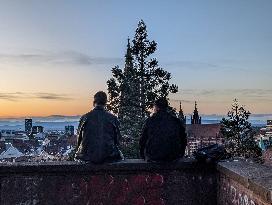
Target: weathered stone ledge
[125, 183]
[136, 182]
[125, 166]
[256, 180]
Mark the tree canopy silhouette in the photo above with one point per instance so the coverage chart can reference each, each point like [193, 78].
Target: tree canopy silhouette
[238, 133]
[133, 89]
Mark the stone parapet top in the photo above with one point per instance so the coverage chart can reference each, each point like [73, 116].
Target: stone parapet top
[123, 166]
[253, 176]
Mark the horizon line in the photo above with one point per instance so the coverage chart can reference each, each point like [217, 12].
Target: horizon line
[78, 115]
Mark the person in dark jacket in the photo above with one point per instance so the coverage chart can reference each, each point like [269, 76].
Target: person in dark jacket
[98, 134]
[163, 136]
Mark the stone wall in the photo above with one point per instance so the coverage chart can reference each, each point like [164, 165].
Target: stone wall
[267, 157]
[244, 183]
[129, 182]
[134, 182]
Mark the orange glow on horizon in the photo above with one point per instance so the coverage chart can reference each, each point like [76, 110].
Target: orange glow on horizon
[40, 108]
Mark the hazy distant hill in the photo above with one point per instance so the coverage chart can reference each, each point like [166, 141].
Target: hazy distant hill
[59, 121]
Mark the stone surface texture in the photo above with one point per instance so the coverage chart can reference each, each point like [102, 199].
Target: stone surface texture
[129, 182]
[135, 182]
[244, 183]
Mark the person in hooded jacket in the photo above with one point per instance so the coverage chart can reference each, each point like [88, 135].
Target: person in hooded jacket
[98, 134]
[163, 136]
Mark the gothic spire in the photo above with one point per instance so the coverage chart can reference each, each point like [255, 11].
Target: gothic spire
[195, 105]
[195, 119]
[181, 115]
[180, 109]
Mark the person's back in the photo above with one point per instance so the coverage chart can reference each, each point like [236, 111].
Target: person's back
[98, 137]
[163, 137]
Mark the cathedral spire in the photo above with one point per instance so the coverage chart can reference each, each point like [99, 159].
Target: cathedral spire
[180, 110]
[195, 105]
[181, 115]
[195, 119]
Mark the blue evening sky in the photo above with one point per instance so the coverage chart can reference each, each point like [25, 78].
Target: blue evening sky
[216, 50]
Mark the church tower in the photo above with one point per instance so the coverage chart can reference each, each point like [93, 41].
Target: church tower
[181, 115]
[195, 119]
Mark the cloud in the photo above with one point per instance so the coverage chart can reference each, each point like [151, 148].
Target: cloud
[39, 95]
[182, 101]
[52, 96]
[198, 65]
[209, 95]
[66, 58]
[245, 92]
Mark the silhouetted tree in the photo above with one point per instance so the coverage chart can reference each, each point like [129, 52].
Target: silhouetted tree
[238, 133]
[133, 90]
[154, 80]
[123, 91]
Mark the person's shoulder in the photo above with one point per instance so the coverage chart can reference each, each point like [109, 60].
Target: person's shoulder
[173, 117]
[149, 119]
[87, 114]
[84, 117]
[111, 116]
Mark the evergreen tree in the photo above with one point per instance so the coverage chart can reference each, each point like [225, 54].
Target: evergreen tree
[238, 133]
[123, 89]
[133, 90]
[153, 80]
[129, 109]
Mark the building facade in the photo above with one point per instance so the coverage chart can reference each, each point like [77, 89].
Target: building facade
[37, 129]
[28, 126]
[202, 135]
[69, 130]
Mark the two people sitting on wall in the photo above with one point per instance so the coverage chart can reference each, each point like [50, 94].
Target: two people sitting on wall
[163, 136]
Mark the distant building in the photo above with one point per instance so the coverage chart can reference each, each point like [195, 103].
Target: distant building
[28, 126]
[37, 129]
[264, 139]
[69, 130]
[10, 152]
[195, 119]
[9, 135]
[181, 115]
[201, 135]
[40, 136]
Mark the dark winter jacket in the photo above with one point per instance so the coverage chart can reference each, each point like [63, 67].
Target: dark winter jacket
[98, 137]
[163, 138]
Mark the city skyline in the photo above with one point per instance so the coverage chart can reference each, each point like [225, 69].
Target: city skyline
[55, 55]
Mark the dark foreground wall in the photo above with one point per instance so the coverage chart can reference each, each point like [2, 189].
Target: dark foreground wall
[135, 182]
[130, 182]
[244, 183]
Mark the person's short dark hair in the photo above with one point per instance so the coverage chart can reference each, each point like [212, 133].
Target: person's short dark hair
[100, 98]
[161, 103]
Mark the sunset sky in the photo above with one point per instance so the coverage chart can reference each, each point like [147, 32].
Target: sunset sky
[54, 55]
